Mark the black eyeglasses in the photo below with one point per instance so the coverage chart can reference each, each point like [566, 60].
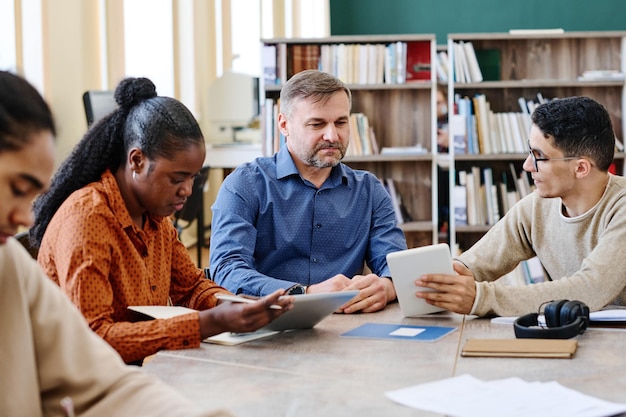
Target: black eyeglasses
[536, 159]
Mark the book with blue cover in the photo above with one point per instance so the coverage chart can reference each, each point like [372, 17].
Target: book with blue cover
[399, 332]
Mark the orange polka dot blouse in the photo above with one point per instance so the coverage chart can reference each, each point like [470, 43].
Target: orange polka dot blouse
[105, 263]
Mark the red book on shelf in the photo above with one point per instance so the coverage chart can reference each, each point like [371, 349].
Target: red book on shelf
[418, 64]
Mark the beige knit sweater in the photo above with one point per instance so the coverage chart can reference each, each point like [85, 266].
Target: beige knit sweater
[585, 256]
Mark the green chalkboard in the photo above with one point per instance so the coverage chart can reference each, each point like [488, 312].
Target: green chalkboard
[376, 17]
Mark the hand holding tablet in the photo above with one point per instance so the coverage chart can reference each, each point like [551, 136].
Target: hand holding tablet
[408, 265]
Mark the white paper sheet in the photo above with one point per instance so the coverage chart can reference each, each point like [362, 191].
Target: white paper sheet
[506, 397]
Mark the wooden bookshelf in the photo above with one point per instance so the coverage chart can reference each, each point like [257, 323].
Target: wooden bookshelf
[548, 64]
[401, 111]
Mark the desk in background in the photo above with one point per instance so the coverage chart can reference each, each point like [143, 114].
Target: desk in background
[231, 155]
[318, 373]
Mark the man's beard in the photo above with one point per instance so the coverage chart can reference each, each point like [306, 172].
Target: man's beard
[315, 161]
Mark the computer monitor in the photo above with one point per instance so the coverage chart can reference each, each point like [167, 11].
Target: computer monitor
[232, 105]
[98, 104]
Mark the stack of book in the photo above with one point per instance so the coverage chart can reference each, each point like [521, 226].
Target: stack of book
[480, 200]
[353, 63]
[466, 68]
[362, 137]
[483, 131]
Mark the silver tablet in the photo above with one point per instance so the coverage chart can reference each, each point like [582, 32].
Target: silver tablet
[408, 265]
[310, 309]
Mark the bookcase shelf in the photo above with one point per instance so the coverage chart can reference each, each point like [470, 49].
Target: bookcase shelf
[531, 67]
[399, 102]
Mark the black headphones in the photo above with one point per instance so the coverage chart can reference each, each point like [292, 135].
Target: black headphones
[564, 319]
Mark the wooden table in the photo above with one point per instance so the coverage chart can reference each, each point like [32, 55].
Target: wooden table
[316, 372]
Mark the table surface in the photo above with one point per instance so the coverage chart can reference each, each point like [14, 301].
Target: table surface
[316, 372]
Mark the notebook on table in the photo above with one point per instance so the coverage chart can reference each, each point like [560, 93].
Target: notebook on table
[408, 265]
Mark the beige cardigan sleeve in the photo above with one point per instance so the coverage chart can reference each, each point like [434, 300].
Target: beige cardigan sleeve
[51, 354]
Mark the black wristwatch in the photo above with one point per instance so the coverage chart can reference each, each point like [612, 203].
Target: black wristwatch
[296, 289]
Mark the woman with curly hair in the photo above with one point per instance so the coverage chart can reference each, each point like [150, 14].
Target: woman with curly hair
[105, 235]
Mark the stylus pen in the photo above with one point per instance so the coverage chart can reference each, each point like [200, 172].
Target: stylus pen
[238, 299]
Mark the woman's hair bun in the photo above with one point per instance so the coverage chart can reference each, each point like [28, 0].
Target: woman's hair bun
[131, 91]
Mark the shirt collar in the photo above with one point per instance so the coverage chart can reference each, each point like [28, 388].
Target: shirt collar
[285, 167]
[117, 204]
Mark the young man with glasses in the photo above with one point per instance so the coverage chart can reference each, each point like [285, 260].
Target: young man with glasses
[574, 222]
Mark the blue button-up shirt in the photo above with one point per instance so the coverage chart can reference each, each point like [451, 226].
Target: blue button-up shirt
[271, 228]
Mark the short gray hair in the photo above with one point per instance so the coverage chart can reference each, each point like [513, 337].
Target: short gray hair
[310, 84]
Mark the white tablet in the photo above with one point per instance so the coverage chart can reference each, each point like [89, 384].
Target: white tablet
[408, 265]
[310, 309]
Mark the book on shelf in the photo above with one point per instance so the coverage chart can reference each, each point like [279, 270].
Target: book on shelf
[391, 69]
[541, 99]
[481, 197]
[270, 67]
[475, 73]
[443, 66]
[491, 197]
[466, 67]
[472, 192]
[460, 199]
[362, 124]
[601, 75]
[523, 105]
[460, 64]
[498, 145]
[374, 142]
[328, 58]
[379, 57]
[342, 57]
[418, 64]
[481, 111]
[395, 199]
[519, 131]
[465, 109]
[355, 146]
[403, 150]
[527, 32]
[302, 57]
[488, 132]
[401, 49]
[457, 128]
[522, 183]
[371, 63]
[362, 60]
[362, 138]
[508, 194]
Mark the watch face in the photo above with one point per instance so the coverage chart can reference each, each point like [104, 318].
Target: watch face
[297, 290]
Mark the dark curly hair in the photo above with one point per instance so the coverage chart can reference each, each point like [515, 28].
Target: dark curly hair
[579, 126]
[159, 126]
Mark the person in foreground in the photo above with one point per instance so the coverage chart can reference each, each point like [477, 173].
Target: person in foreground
[106, 237]
[574, 222]
[301, 220]
[51, 361]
